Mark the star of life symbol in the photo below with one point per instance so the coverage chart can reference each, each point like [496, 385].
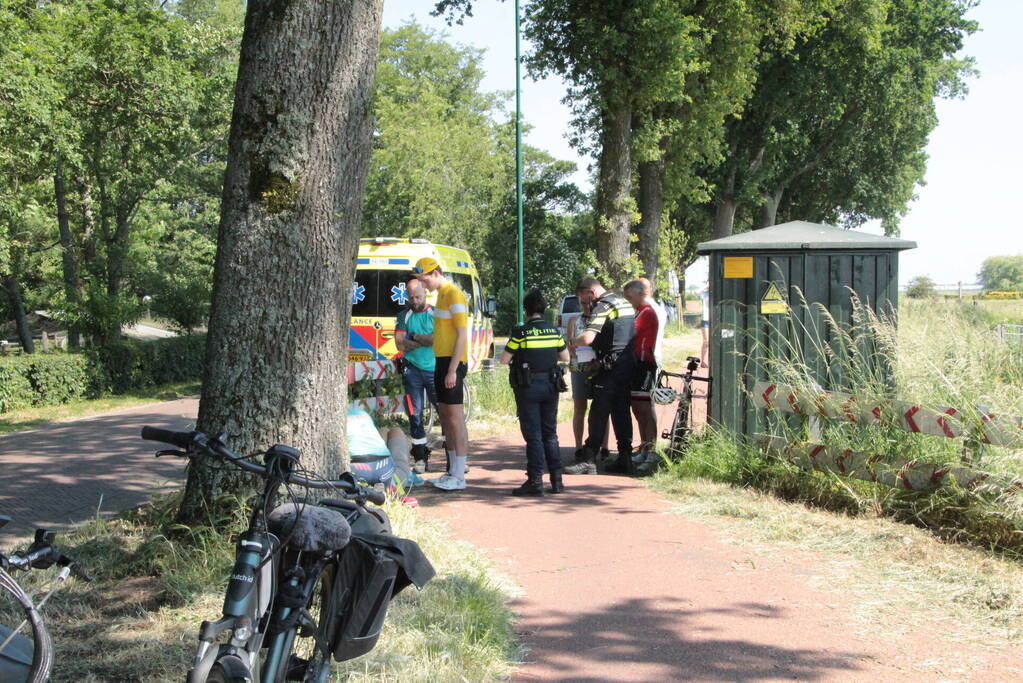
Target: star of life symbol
[358, 293]
[399, 294]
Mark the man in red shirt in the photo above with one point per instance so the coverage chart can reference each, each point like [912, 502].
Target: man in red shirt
[643, 345]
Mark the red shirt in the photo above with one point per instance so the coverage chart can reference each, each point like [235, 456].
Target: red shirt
[646, 333]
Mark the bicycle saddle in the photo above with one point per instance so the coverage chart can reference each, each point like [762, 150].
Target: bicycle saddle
[318, 529]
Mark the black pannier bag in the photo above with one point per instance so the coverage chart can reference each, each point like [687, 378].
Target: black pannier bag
[368, 573]
[364, 580]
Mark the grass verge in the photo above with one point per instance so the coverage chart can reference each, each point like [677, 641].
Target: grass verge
[894, 576]
[155, 582]
[30, 418]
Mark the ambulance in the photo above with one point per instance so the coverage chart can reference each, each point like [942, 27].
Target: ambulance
[378, 294]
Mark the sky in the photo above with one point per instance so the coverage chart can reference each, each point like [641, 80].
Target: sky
[966, 212]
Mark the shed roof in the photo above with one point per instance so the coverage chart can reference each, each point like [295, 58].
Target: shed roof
[803, 235]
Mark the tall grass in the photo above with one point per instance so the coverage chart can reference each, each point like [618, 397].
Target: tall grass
[940, 354]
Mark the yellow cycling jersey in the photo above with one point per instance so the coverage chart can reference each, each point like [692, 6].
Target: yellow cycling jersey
[450, 313]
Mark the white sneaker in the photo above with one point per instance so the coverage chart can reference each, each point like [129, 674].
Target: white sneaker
[446, 482]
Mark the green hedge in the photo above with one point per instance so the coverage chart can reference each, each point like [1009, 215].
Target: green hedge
[55, 378]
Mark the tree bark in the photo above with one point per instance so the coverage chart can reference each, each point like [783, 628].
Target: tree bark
[70, 268]
[614, 193]
[724, 214]
[298, 155]
[14, 295]
[651, 209]
[769, 210]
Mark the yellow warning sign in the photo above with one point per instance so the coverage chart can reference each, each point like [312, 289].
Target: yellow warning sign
[738, 266]
[773, 301]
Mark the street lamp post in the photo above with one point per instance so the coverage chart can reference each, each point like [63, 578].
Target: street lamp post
[518, 157]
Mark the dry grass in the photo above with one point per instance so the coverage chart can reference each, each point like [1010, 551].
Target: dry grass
[897, 578]
[139, 619]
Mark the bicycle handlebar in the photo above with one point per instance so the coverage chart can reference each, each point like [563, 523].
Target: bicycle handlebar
[687, 375]
[193, 442]
[42, 555]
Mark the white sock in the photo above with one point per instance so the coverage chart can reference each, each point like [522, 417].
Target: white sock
[451, 462]
[458, 467]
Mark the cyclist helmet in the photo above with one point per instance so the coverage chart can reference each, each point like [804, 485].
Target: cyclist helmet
[663, 395]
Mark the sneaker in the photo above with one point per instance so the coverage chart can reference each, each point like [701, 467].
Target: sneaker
[581, 468]
[446, 482]
[644, 453]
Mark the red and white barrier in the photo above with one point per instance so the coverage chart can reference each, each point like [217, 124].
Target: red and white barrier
[382, 404]
[907, 474]
[997, 430]
[370, 369]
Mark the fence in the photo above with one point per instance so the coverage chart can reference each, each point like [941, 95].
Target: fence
[1010, 333]
[979, 426]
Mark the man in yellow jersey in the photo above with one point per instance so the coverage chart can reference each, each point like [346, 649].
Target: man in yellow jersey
[451, 349]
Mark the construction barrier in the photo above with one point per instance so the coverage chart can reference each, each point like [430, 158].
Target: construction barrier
[997, 430]
[912, 475]
[370, 369]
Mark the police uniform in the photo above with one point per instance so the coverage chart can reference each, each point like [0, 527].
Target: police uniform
[534, 376]
[613, 321]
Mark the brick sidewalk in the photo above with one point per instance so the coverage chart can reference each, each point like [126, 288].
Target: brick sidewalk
[63, 473]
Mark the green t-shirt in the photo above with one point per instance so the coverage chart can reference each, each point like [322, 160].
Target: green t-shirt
[418, 323]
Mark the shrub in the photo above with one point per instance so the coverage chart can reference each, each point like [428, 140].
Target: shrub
[15, 389]
[121, 367]
[920, 287]
[53, 378]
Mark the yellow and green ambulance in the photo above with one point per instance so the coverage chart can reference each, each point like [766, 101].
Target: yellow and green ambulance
[378, 294]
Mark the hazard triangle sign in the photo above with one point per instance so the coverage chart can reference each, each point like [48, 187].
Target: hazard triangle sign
[772, 302]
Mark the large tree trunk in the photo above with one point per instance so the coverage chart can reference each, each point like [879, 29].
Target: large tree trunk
[70, 268]
[651, 209]
[724, 216]
[769, 210]
[614, 193]
[14, 296]
[298, 156]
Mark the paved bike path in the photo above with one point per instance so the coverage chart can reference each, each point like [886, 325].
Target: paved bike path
[62, 473]
[615, 586]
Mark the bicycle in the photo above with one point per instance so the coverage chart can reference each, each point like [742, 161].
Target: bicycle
[300, 591]
[681, 427]
[29, 657]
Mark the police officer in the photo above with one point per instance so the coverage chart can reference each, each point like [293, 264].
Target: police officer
[534, 350]
[610, 332]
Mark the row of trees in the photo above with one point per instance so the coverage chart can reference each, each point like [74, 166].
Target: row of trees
[115, 139]
[714, 117]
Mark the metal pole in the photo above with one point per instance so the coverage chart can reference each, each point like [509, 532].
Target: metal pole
[518, 157]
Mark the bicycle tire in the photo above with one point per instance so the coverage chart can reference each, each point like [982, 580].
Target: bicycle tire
[15, 664]
[309, 654]
[229, 669]
[680, 431]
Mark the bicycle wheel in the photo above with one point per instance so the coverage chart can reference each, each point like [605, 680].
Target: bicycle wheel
[229, 669]
[310, 658]
[679, 431]
[26, 654]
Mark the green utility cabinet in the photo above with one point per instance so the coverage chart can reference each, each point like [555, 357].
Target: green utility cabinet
[758, 284]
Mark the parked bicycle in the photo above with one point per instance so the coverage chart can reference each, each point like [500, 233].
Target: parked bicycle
[26, 649]
[681, 426]
[310, 581]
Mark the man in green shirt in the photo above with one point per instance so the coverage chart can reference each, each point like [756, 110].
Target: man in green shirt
[413, 335]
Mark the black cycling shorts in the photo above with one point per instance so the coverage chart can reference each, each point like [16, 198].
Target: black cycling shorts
[455, 395]
[644, 381]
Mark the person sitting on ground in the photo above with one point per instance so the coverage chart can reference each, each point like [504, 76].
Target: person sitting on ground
[378, 455]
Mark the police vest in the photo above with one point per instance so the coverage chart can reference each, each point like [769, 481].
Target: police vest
[536, 344]
[614, 320]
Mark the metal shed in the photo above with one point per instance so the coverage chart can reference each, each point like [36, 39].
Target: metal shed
[758, 283]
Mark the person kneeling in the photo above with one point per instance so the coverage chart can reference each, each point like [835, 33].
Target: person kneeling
[533, 350]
